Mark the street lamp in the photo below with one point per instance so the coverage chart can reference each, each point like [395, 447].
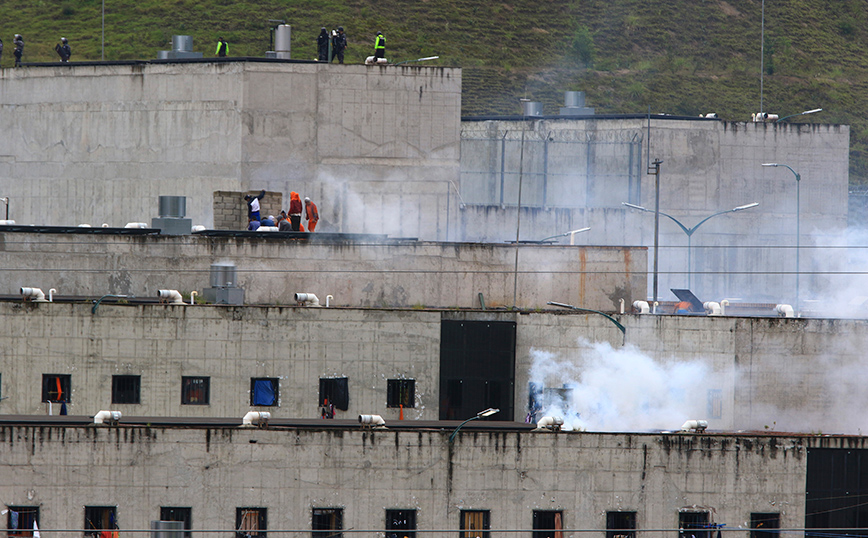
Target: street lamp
[690, 231]
[800, 114]
[579, 309]
[571, 234]
[487, 413]
[798, 235]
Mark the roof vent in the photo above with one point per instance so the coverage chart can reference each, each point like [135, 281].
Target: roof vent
[531, 108]
[574, 105]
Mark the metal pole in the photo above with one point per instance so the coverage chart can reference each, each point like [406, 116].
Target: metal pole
[656, 228]
[762, 52]
[689, 272]
[102, 57]
[518, 220]
[798, 238]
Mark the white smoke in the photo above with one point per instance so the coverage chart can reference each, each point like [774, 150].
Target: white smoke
[623, 389]
[840, 287]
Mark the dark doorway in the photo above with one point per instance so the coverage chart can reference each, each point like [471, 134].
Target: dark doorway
[477, 368]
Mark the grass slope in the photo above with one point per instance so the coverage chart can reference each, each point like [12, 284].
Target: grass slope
[674, 56]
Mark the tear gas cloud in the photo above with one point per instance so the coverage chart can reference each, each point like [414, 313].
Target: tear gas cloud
[601, 388]
[619, 389]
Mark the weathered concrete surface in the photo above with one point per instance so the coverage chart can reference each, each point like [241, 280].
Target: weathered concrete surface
[784, 374]
[362, 142]
[290, 471]
[367, 273]
[708, 167]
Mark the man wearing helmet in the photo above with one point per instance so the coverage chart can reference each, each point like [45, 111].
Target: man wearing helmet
[322, 45]
[19, 49]
[339, 45]
[63, 50]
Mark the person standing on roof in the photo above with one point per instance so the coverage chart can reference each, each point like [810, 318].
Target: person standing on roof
[222, 48]
[63, 50]
[380, 46]
[339, 45]
[253, 205]
[322, 45]
[19, 49]
[311, 214]
[295, 211]
[1, 49]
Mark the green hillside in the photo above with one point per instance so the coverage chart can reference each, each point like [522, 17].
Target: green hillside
[674, 56]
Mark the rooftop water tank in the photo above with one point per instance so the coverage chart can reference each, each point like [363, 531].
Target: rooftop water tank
[282, 35]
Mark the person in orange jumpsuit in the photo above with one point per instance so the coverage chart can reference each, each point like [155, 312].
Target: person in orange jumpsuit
[311, 214]
[294, 211]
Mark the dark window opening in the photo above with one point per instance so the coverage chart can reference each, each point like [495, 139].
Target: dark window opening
[264, 391]
[836, 489]
[327, 522]
[401, 393]
[55, 388]
[195, 390]
[251, 522]
[98, 519]
[548, 524]
[765, 524]
[126, 389]
[475, 524]
[20, 519]
[477, 368]
[401, 520]
[620, 524]
[178, 513]
[335, 391]
[689, 524]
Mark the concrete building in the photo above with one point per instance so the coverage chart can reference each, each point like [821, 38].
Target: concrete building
[577, 172]
[363, 141]
[216, 361]
[356, 270]
[384, 151]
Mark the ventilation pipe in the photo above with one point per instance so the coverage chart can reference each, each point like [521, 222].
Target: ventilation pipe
[173, 296]
[372, 421]
[36, 294]
[694, 425]
[550, 423]
[193, 295]
[785, 311]
[329, 300]
[260, 418]
[111, 416]
[642, 307]
[51, 293]
[712, 308]
[723, 304]
[307, 299]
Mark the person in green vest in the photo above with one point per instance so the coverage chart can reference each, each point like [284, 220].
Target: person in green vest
[380, 46]
[222, 47]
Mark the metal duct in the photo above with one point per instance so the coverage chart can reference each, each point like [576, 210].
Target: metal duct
[282, 35]
[574, 99]
[182, 43]
[173, 206]
[532, 108]
[167, 529]
[223, 275]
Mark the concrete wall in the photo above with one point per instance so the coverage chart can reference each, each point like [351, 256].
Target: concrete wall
[365, 143]
[708, 166]
[780, 374]
[367, 273]
[289, 471]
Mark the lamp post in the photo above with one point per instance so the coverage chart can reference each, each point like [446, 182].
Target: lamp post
[6, 201]
[571, 234]
[690, 231]
[487, 413]
[799, 114]
[607, 316]
[798, 235]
